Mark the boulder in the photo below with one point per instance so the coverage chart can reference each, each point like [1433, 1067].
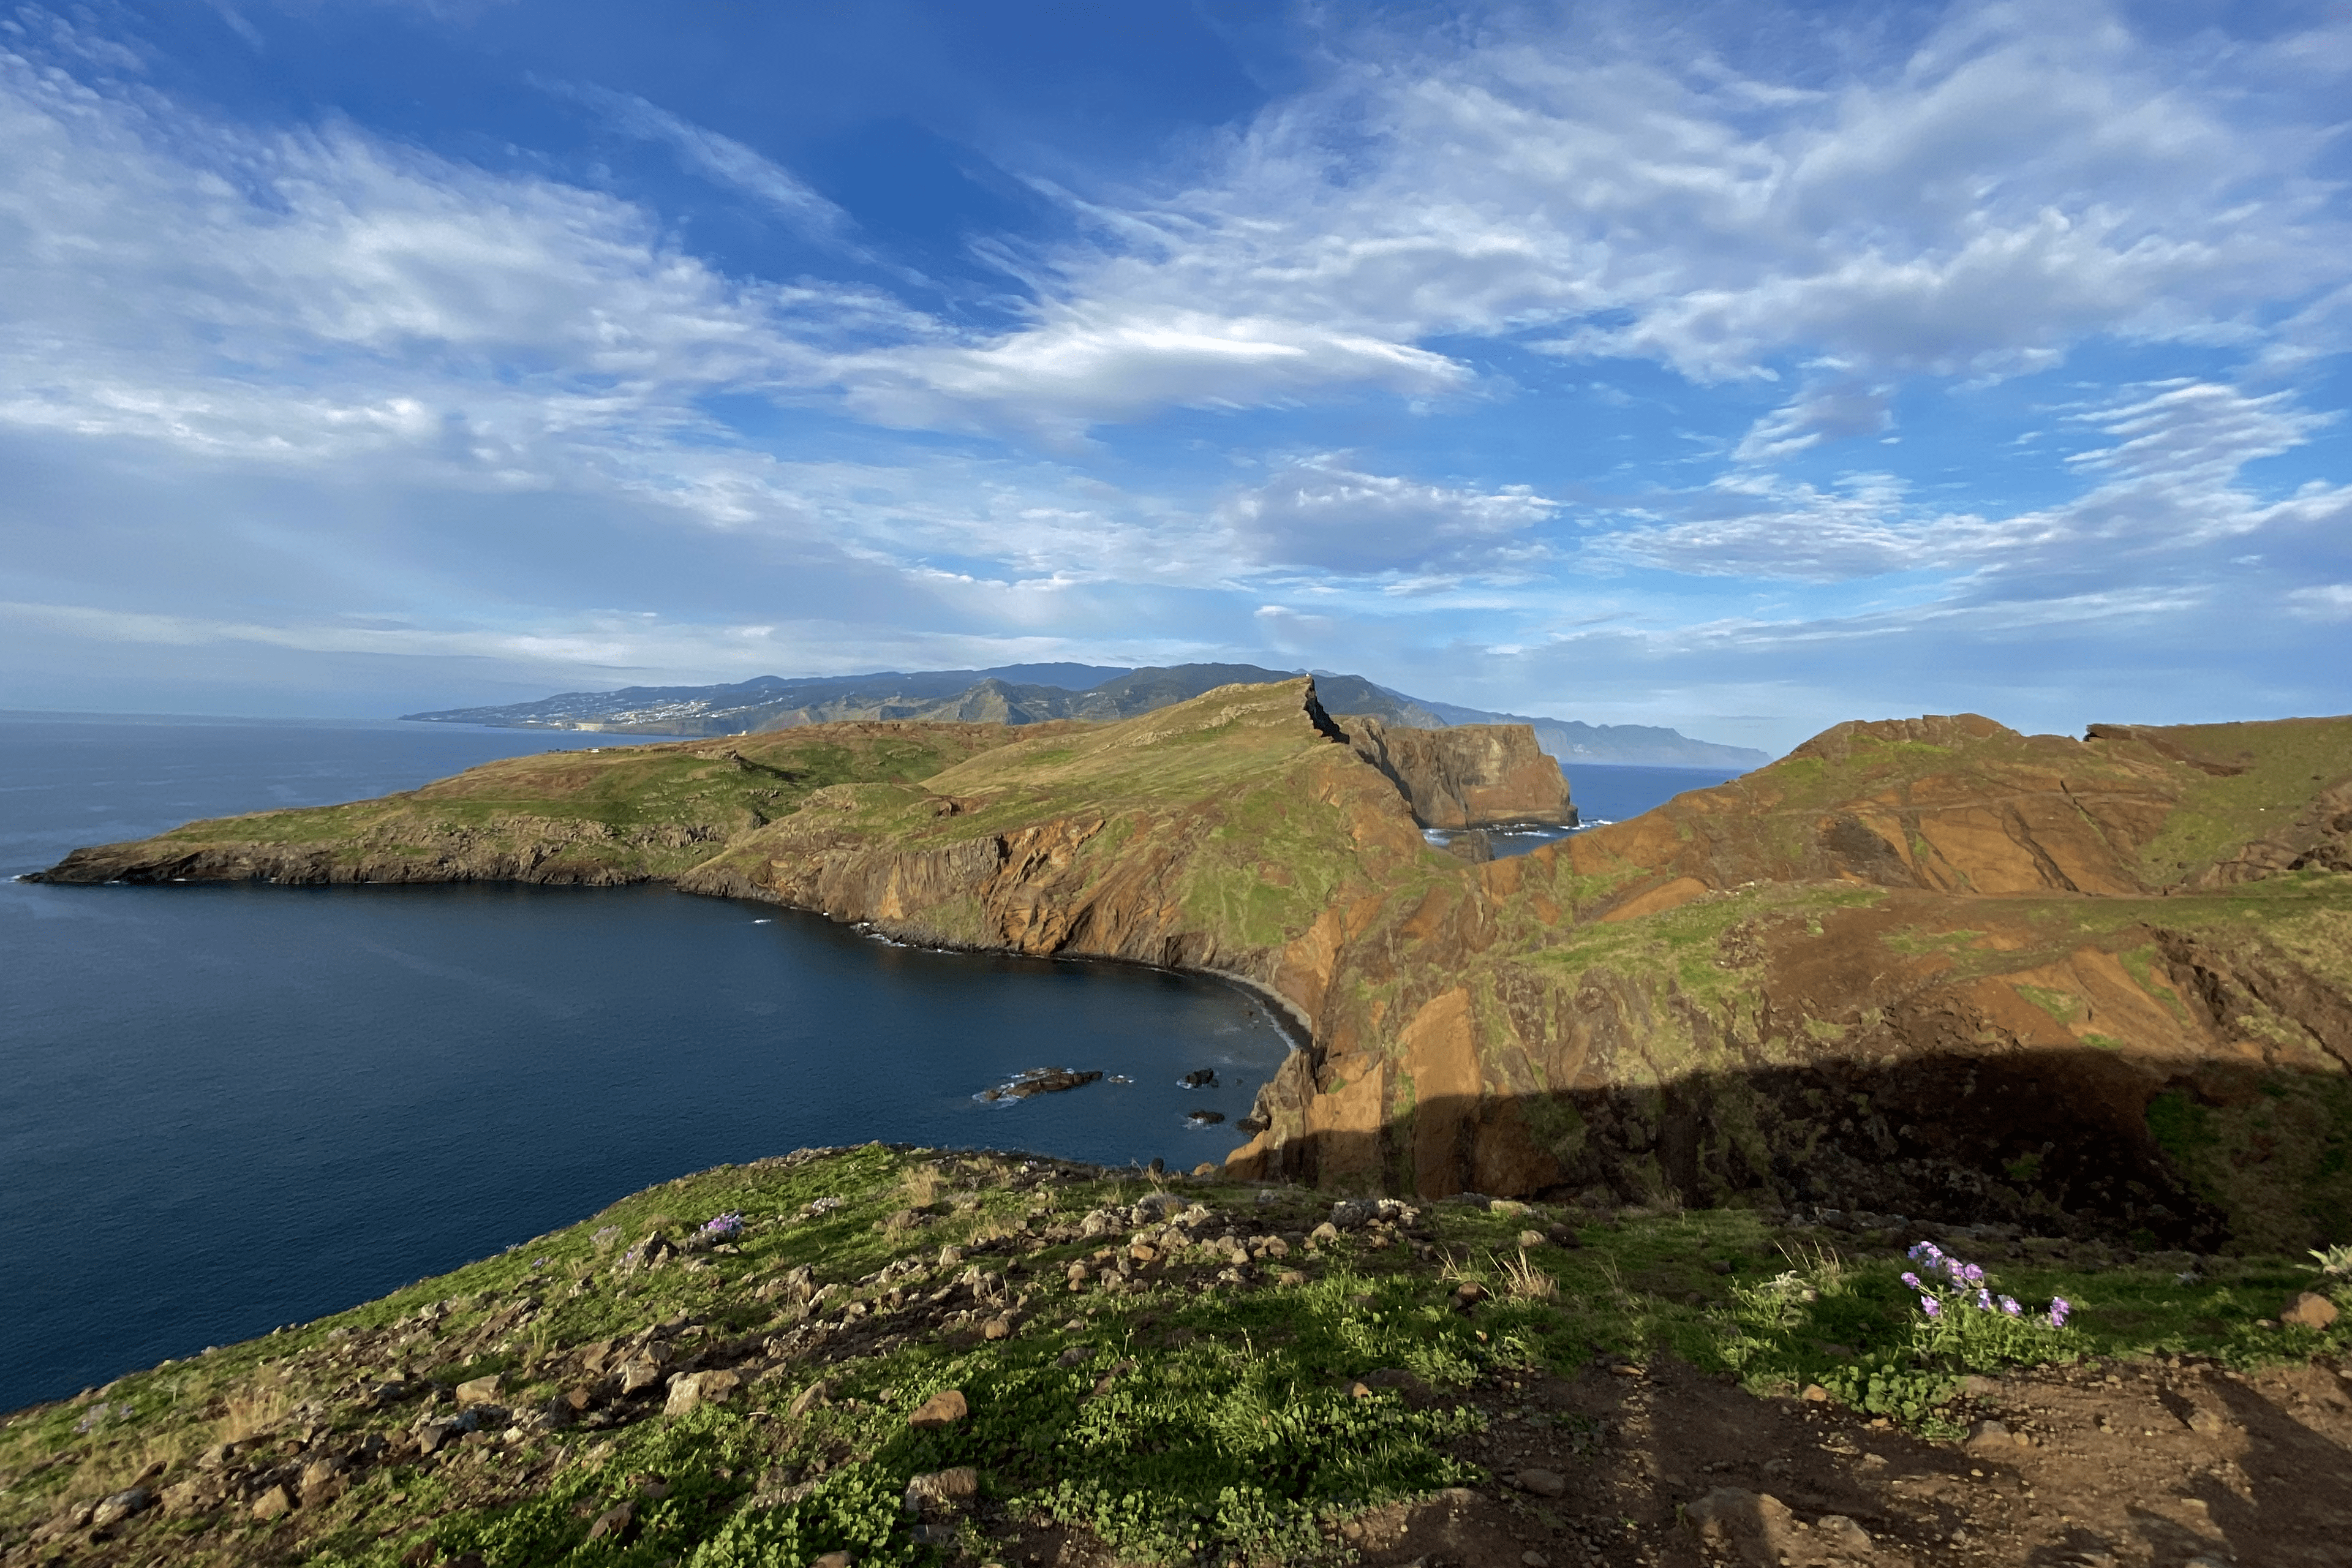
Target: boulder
[942, 1409]
[1543, 1483]
[1841, 1534]
[275, 1503]
[322, 1482]
[949, 1488]
[696, 1389]
[479, 1390]
[1986, 1437]
[1757, 1527]
[119, 1506]
[2309, 1310]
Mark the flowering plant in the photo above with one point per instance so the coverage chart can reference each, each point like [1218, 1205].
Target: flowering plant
[1962, 1313]
[726, 1227]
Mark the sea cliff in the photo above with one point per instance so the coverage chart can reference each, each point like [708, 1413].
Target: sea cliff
[1928, 967]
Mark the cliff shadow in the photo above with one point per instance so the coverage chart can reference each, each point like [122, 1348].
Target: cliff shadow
[2205, 1156]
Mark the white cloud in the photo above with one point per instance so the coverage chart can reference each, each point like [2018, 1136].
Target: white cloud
[2170, 478]
[1323, 512]
[722, 160]
[1830, 411]
[1079, 366]
[2024, 179]
[2324, 601]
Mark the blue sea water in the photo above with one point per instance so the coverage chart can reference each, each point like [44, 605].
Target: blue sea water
[1603, 793]
[1612, 792]
[223, 1108]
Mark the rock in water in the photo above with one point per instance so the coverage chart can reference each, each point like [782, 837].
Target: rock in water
[1204, 1117]
[1041, 1081]
[1203, 1078]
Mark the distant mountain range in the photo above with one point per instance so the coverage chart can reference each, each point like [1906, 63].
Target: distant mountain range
[1029, 693]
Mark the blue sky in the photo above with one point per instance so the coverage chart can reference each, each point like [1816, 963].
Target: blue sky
[1729, 367]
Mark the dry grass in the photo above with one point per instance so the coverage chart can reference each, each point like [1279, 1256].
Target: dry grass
[1523, 1281]
[996, 1227]
[1452, 1270]
[921, 1186]
[252, 1411]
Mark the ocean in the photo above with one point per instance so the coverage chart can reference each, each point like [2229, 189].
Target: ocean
[226, 1108]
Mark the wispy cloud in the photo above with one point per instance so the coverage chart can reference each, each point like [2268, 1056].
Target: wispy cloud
[721, 160]
[1326, 511]
[2019, 181]
[2169, 477]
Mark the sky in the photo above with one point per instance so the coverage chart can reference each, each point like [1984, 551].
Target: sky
[1740, 368]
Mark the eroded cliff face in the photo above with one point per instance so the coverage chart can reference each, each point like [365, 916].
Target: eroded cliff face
[1218, 835]
[1931, 967]
[1485, 776]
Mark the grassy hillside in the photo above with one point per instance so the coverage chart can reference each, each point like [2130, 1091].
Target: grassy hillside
[630, 814]
[1152, 1371]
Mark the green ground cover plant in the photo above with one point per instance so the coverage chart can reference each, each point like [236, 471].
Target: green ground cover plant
[1178, 1418]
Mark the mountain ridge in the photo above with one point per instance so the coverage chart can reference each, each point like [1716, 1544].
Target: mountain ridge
[1038, 693]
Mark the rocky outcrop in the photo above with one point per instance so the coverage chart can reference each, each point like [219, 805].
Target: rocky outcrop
[1485, 776]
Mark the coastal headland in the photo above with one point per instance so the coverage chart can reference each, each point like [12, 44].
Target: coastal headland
[1928, 967]
[1596, 1220]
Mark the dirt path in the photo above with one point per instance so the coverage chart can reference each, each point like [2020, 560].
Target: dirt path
[2156, 1465]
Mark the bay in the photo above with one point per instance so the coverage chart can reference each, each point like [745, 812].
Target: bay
[223, 1108]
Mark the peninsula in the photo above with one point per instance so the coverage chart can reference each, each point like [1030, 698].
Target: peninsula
[1929, 967]
[1936, 1136]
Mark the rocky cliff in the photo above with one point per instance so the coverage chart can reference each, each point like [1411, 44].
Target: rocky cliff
[1928, 966]
[1925, 967]
[1491, 776]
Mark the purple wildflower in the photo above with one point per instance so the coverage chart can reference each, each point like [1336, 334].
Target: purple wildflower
[2009, 1304]
[1912, 1279]
[725, 1227]
[1929, 1305]
[2058, 1311]
[1972, 1273]
[1984, 1300]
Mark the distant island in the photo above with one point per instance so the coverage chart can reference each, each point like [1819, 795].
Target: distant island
[1038, 693]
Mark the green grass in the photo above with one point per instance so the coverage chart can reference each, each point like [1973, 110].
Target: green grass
[2286, 763]
[1177, 1423]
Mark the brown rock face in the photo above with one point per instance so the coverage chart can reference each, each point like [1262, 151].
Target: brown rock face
[1929, 967]
[1478, 775]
